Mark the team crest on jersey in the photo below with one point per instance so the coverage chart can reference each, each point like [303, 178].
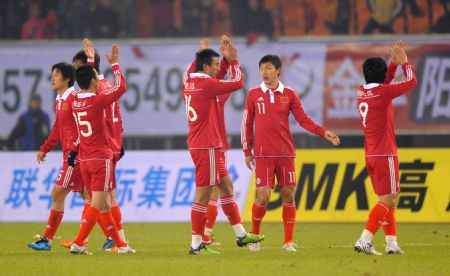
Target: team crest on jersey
[284, 100]
[261, 99]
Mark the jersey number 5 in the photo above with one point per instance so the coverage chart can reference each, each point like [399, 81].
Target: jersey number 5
[363, 110]
[189, 109]
[80, 122]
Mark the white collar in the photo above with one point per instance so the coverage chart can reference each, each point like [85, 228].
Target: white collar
[101, 76]
[370, 85]
[65, 94]
[280, 87]
[85, 95]
[199, 75]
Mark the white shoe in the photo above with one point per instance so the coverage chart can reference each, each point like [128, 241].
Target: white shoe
[394, 250]
[125, 250]
[254, 246]
[76, 249]
[366, 248]
[290, 246]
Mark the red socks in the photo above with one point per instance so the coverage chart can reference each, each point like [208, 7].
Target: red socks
[117, 215]
[198, 218]
[289, 212]
[390, 227]
[230, 209]
[88, 222]
[211, 213]
[54, 219]
[111, 229]
[258, 213]
[376, 217]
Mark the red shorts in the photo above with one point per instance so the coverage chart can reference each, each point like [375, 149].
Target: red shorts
[113, 176]
[97, 175]
[267, 167]
[206, 166]
[223, 171]
[70, 178]
[384, 174]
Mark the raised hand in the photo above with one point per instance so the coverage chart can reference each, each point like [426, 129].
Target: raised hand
[88, 48]
[232, 55]
[204, 43]
[224, 46]
[332, 138]
[114, 56]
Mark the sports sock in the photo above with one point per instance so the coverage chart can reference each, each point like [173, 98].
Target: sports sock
[390, 226]
[258, 213]
[198, 220]
[289, 213]
[376, 217]
[117, 216]
[89, 220]
[231, 210]
[110, 226]
[54, 219]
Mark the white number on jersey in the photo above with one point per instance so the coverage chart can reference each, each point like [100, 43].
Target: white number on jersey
[80, 122]
[363, 110]
[190, 110]
[115, 119]
[291, 177]
[261, 108]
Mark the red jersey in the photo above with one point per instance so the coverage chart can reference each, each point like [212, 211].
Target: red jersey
[113, 117]
[199, 95]
[269, 111]
[64, 128]
[88, 108]
[376, 113]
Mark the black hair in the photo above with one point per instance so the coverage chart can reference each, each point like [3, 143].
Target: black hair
[204, 57]
[81, 56]
[374, 70]
[274, 59]
[84, 75]
[67, 71]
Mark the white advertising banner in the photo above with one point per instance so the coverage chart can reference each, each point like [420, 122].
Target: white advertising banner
[153, 103]
[152, 186]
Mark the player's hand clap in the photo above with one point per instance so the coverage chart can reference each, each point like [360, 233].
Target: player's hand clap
[204, 43]
[401, 55]
[88, 48]
[250, 162]
[224, 46]
[333, 138]
[40, 157]
[114, 56]
[398, 56]
[232, 55]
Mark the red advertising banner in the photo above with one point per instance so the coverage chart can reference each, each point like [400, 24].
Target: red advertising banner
[426, 108]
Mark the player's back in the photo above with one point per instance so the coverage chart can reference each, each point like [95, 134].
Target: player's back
[94, 143]
[201, 111]
[376, 113]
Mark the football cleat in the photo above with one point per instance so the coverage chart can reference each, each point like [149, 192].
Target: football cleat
[66, 243]
[249, 238]
[42, 244]
[290, 246]
[203, 250]
[254, 246]
[125, 250]
[211, 241]
[366, 248]
[112, 249]
[391, 250]
[76, 249]
[108, 244]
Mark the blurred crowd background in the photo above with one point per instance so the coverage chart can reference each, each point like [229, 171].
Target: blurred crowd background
[67, 19]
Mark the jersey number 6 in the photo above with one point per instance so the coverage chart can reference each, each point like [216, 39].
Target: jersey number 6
[189, 109]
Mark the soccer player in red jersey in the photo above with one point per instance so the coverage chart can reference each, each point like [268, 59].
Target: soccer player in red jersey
[64, 130]
[266, 121]
[200, 91]
[228, 203]
[113, 119]
[377, 121]
[95, 153]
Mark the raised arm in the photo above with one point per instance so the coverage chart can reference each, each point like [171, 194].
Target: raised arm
[112, 94]
[397, 89]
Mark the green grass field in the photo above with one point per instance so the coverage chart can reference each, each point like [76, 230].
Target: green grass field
[162, 249]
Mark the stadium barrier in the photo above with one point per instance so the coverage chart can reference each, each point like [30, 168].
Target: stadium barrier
[158, 186]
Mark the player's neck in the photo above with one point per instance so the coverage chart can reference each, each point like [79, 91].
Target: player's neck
[61, 91]
[89, 90]
[272, 85]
